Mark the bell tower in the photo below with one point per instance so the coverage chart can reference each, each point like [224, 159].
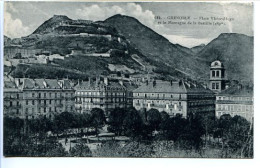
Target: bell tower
[217, 76]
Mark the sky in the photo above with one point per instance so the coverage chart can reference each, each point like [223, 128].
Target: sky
[22, 18]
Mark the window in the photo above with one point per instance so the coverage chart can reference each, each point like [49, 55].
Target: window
[17, 96]
[50, 101]
[213, 86]
[217, 74]
[33, 95]
[26, 102]
[44, 94]
[33, 102]
[39, 95]
[213, 73]
[11, 104]
[55, 95]
[44, 110]
[49, 94]
[49, 109]
[217, 85]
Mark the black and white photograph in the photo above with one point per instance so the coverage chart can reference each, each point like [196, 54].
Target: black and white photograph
[128, 79]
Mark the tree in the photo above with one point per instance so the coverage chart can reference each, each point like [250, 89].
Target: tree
[62, 122]
[174, 127]
[154, 119]
[132, 123]
[80, 150]
[115, 120]
[98, 118]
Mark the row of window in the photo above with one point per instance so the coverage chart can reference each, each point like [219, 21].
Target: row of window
[45, 102]
[45, 110]
[199, 103]
[100, 93]
[215, 86]
[217, 73]
[155, 101]
[50, 95]
[158, 95]
[234, 98]
[235, 107]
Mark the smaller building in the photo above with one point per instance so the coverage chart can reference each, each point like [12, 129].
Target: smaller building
[236, 100]
[217, 76]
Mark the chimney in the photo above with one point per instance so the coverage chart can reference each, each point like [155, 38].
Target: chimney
[105, 80]
[154, 83]
[17, 83]
[121, 82]
[44, 83]
[96, 81]
[180, 83]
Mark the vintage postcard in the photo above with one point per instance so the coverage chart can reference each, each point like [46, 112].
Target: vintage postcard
[128, 79]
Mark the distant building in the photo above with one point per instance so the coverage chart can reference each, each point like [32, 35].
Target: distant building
[175, 97]
[89, 95]
[105, 95]
[12, 99]
[115, 95]
[13, 51]
[39, 97]
[236, 100]
[217, 76]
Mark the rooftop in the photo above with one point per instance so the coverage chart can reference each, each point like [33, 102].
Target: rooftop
[238, 90]
[172, 87]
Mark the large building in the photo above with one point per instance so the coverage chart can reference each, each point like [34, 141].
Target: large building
[12, 99]
[38, 97]
[89, 95]
[105, 95]
[236, 100]
[174, 97]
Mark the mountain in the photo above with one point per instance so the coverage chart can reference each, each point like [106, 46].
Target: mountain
[197, 49]
[155, 48]
[236, 51]
[153, 52]
[51, 23]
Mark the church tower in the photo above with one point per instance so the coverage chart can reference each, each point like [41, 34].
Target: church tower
[217, 76]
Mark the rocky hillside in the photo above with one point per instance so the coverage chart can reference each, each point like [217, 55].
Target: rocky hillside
[197, 49]
[126, 34]
[155, 48]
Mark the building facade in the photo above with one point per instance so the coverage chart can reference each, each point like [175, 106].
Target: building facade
[12, 99]
[236, 100]
[105, 95]
[40, 97]
[89, 95]
[177, 97]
